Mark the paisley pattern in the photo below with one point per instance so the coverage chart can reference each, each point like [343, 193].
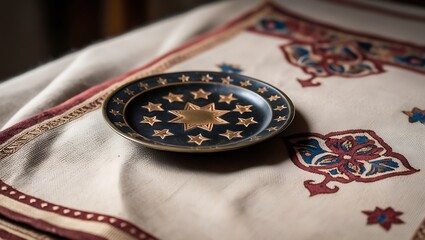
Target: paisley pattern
[354, 155]
[323, 51]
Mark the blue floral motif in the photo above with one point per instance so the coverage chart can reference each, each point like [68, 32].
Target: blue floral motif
[416, 115]
[356, 155]
[230, 68]
[322, 52]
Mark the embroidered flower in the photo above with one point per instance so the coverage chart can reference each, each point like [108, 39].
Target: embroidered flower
[384, 217]
[354, 155]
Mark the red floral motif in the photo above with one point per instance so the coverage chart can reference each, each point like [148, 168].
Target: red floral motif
[344, 59]
[384, 217]
[322, 50]
[354, 155]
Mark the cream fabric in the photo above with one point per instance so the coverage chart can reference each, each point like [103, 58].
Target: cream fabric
[254, 193]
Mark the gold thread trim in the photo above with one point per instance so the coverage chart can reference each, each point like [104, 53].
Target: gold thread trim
[18, 141]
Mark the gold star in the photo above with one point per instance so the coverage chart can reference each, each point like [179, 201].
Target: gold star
[280, 119]
[241, 109]
[279, 108]
[246, 121]
[115, 112]
[226, 80]
[271, 129]
[230, 134]
[132, 134]
[194, 116]
[144, 85]
[206, 78]
[200, 94]
[174, 97]
[118, 101]
[161, 81]
[184, 78]
[129, 92]
[262, 90]
[245, 84]
[150, 120]
[273, 98]
[198, 139]
[120, 124]
[227, 99]
[153, 107]
[162, 133]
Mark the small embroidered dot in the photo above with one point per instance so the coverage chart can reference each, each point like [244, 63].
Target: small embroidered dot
[132, 231]
[22, 197]
[43, 205]
[142, 236]
[12, 192]
[100, 218]
[123, 224]
[77, 213]
[89, 216]
[66, 211]
[32, 200]
[55, 208]
[4, 188]
[112, 220]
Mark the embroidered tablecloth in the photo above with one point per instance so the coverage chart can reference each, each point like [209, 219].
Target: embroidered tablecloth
[351, 165]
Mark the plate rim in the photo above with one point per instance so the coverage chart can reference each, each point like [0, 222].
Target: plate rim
[196, 149]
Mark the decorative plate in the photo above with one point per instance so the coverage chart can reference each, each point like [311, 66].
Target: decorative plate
[198, 111]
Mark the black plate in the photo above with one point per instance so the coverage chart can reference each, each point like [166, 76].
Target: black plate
[198, 111]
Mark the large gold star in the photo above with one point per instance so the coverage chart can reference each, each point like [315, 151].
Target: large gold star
[227, 99]
[194, 116]
[184, 78]
[174, 97]
[226, 80]
[279, 108]
[162, 133]
[200, 94]
[198, 139]
[246, 121]
[241, 109]
[230, 134]
[153, 107]
[150, 120]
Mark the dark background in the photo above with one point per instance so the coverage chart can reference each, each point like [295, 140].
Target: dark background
[35, 32]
